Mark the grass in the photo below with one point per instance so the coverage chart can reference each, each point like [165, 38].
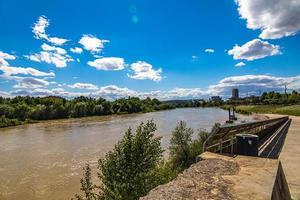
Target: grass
[270, 109]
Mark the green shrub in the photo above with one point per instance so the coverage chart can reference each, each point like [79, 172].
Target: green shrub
[130, 170]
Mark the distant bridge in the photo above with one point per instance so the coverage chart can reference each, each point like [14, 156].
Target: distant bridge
[270, 135]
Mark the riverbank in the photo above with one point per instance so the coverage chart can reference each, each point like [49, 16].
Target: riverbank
[293, 110]
[6, 122]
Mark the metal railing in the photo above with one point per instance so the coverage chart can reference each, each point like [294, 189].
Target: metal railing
[222, 140]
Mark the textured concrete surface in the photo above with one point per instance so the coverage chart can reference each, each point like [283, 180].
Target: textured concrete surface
[221, 177]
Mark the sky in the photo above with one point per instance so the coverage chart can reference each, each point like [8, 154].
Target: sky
[162, 49]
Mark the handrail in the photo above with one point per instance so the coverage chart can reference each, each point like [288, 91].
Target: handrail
[226, 130]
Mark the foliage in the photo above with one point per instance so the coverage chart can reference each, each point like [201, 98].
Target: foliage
[131, 169]
[184, 150]
[135, 165]
[44, 108]
[180, 150]
[4, 122]
[272, 109]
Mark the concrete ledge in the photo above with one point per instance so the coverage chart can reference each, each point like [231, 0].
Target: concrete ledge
[222, 177]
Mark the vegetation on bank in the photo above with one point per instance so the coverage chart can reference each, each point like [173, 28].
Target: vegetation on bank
[136, 165]
[271, 102]
[268, 109]
[18, 110]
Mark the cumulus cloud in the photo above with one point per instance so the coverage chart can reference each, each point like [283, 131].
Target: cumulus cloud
[51, 55]
[275, 18]
[5, 94]
[39, 30]
[57, 50]
[77, 50]
[30, 82]
[254, 49]
[108, 63]
[47, 92]
[143, 70]
[240, 64]
[4, 57]
[209, 50]
[114, 92]
[254, 83]
[8, 71]
[250, 84]
[91, 43]
[86, 86]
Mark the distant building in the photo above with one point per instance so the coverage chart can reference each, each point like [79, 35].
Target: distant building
[235, 93]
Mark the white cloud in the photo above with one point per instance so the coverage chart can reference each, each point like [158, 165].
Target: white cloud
[250, 84]
[108, 63]
[58, 60]
[143, 70]
[77, 50]
[58, 50]
[209, 50]
[254, 84]
[47, 92]
[39, 30]
[184, 93]
[240, 64]
[30, 82]
[254, 49]
[91, 43]
[86, 86]
[194, 58]
[5, 94]
[113, 92]
[4, 57]
[8, 71]
[51, 55]
[275, 18]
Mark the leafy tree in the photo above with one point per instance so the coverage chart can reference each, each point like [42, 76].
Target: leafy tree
[22, 111]
[87, 186]
[130, 170]
[6, 110]
[180, 149]
[80, 109]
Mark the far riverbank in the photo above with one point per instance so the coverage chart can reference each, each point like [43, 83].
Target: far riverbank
[293, 110]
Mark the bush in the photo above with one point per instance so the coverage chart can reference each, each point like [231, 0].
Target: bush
[180, 149]
[130, 170]
[5, 122]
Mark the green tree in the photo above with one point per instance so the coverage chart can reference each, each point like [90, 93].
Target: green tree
[129, 171]
[180, 149]
[22, 111]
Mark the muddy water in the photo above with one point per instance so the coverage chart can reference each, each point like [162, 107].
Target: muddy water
[45, 160]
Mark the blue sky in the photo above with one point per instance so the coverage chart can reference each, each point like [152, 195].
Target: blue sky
[162, 49]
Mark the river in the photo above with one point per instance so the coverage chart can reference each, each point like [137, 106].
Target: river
[45, 160]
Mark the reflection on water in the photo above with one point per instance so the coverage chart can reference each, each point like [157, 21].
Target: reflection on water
[45, 160]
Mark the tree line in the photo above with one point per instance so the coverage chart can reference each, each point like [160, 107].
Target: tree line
[269, 98]
[17, 110]
[136, 164]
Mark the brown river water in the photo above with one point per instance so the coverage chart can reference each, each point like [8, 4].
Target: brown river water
[45, 160]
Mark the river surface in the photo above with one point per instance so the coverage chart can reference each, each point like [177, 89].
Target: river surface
[45, 160]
